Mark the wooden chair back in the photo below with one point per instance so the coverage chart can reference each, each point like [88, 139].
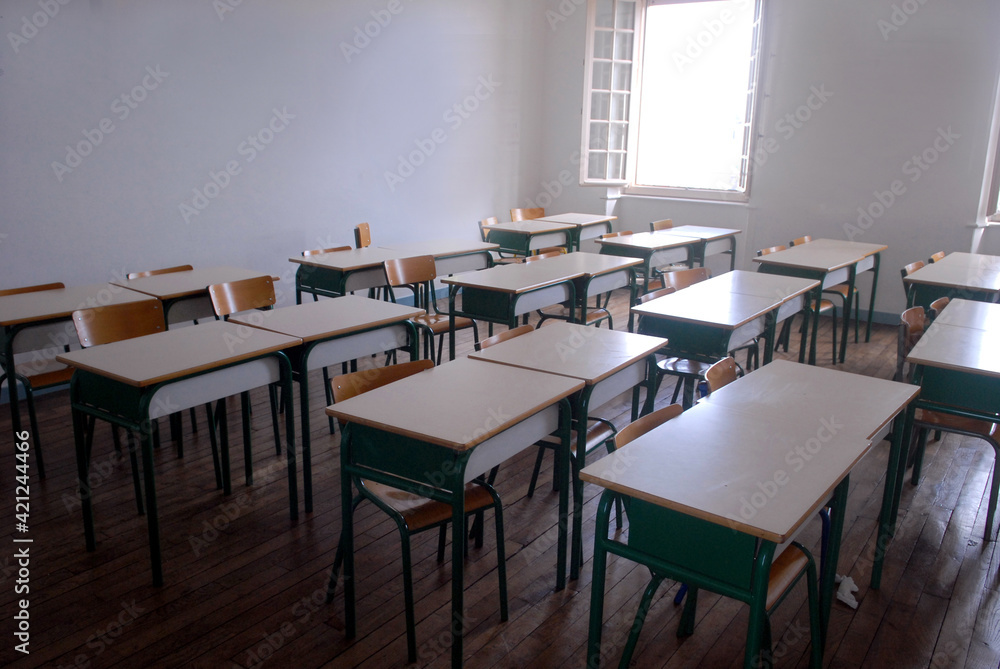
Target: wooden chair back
[799, 241]
[911, 268]
[115, 322]
[407, 271]
[682, 278]
[664, 224]
[721, 374]
[646, 423]
[346, 386]
[526, 213]
[620, 233]
[504, 336]
[935, 308]
[912, 324]
[31, 289]
[164, 270]
[542, 255]
[316, 252]
[653, 294]
[936, 257]
[771, 249]
[484, 226]
[362, 235]
[233, 296]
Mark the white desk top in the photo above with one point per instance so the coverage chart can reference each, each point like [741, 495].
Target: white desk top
[191, 282]
[960, 270]
[173, 354]
[709, 306]
[440, 248]
[950, 344]
[776, 286]
[532, 226]
[523, 277]
[704, 232]
[762, 469]
[586, 353]
[578, 220]
[971, 314]
[328, 318]
[649, 241]
[459, 404]
[824, 255]
[62, 302]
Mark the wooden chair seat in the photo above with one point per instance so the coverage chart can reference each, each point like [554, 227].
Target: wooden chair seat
[439, 323]
[419, 512]
[952, 423]
[44, 373]
[598, 432]
[785, 571]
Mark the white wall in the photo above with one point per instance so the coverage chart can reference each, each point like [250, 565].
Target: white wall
[323, 173]
[345, 119]
[891, 91]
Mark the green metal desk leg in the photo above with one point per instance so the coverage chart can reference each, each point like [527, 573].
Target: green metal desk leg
[457, 574]
[152, 512]
[597, 582]
[851, 287]
[828, 577]
[871, 301]
[901, 427]
[83, 470]
[347, 532]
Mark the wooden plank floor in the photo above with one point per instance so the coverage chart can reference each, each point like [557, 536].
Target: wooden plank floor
[245, 587]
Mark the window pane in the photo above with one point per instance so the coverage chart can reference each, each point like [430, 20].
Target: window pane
[602, 75]
[616, 166]
[626, 15]
[623, 46]
[617, 136]
[604, 44]
[600, 104]
[604, 17]
[619, 107]
[695, 108]
[599, 136]
[596, 165]
[623, 76]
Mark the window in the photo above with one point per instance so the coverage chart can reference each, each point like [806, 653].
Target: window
[670, 96]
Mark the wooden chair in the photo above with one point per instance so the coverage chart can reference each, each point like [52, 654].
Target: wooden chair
[116, 322]
[825, 307]
[156, 272]
[722, 373]
[937, 306]
[840, 290]
[362, 235]
[936, 257]
[499, 258]
[413, 513]
[37, 373]
[595, 315]
[664, 224]
[417, 274]
[527, 213]
[233, 297]
[905, 272]
[912, 324]
[503, 336]
[794, 563]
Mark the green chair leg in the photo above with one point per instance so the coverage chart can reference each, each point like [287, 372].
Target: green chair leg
[640, 619]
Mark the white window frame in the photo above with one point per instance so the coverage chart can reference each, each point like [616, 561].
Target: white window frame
[626, 185]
